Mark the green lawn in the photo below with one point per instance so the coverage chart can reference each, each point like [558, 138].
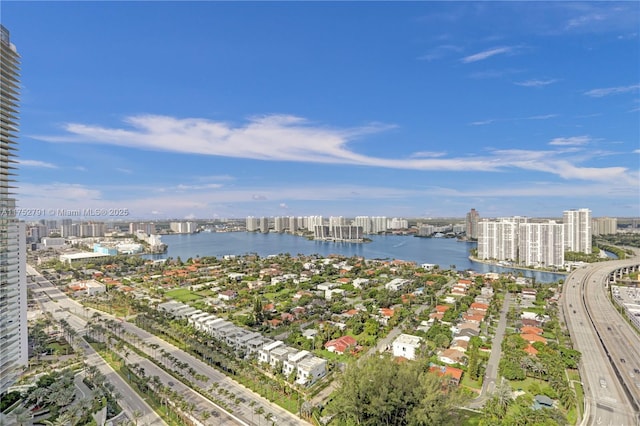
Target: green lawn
[471, 384]
[572, 415]
[468, 418]
[183, 295]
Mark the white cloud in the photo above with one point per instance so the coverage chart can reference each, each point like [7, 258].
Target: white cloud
[541, 117]
[574, 140]
[637, 151]
[535, 83]
[37, 163]
[599, 93]
[486, 54]
[439, 52]
[482, 122]
[289, 138]
[428, 154]
[125, 171]
[238, 203]
[56, 194]
[183, 187]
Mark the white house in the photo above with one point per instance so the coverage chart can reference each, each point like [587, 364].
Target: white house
[406, 345]
[264, 355]
[396, 284]
[310, 370]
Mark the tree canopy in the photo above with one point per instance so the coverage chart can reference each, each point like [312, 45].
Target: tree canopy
[380, 391]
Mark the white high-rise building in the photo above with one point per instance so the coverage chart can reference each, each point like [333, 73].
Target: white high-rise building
[149, 228]
[13, 282]
[313, 221]
[378, 224]
[337, 221]
[396, 223]
[498, 240]
[293, 224]
[279, 223]
[264, 225]
[604, 226]
[252, 224]
[364, 222]
[183, 227]
[541, 244]
[577, 230]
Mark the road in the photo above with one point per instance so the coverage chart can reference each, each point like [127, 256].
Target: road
[243, 413]
[60, 306]
[491, 372]
[610, 347]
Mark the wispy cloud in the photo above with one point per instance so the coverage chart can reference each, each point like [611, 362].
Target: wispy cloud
[599, 93]
[295, 139]
[58, 194]
[183, 187]
[428, 154]
[637, 151]
[541, 117]
[571, 141]
[439, 52]
[480, 56]
[494, 120]
[37, 163]
[125, 171]
[482, 122]
[535, 83]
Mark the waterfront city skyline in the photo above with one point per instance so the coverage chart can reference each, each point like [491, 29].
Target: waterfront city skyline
[216, 110]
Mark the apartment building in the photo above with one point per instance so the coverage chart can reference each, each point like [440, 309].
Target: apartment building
[13, 282]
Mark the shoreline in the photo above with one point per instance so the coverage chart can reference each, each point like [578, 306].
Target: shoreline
[516, 267]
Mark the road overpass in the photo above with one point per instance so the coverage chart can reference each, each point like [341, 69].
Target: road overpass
[610, 346]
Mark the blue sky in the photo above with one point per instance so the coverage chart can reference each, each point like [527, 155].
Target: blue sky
[229, 109]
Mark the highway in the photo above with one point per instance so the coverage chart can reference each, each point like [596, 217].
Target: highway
[609, 345]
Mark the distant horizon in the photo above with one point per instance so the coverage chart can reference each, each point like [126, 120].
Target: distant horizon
[410, 218]
[403, 109]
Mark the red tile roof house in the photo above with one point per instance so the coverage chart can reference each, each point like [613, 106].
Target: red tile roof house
[531, 350]
[533, 338]
[455, 374]
[341, 344]
[385, 315]
[442, 308]
[531, 330]
[436, 315]
[477, 319]
[479, 306]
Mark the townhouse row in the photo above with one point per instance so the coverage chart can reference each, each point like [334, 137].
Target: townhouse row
[307, 367]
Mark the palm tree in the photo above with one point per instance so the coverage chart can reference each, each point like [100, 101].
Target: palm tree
[137, 415]
[65, 419]
[21, 415]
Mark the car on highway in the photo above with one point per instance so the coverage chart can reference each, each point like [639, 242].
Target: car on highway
[603, 383]
[635, 370]
[622, 360]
